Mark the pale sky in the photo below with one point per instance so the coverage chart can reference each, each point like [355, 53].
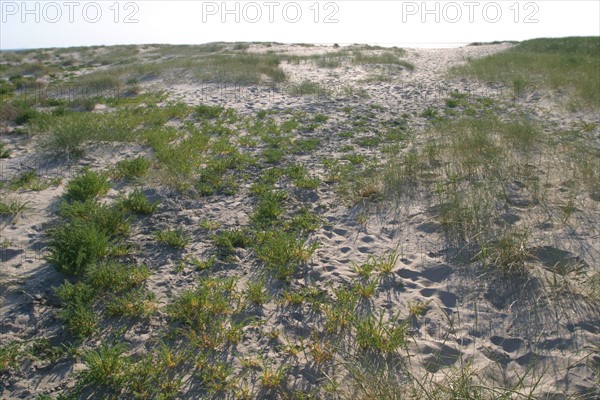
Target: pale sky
[38, 24]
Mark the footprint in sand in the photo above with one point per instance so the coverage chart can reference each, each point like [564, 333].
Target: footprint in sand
[438, 273]
[367, 239]
[510, 345]
[440, 358]
[406, 273]
[340, 231]
[555, 344]
[529, 358]
[446, 298]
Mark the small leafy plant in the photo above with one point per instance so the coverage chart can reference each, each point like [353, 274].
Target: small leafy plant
[138, 203]
[87, 186]
[173, 237]
[131, 169]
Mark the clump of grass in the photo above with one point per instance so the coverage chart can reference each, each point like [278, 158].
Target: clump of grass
[29, 180]
[25, 115]
[134, 303]
[384, 264]
[12, 207]
[106, 366]
[300, 177]
[272, 378]
[508, 252]
[366, 288]
[268, 209]
[4, 152]
[376, 334]
[173, 237]
[116, 277]
[9, 354]
[206, 111]
[256, 292]
[228, 240]
[132, 169]
[108, 218]
[418, 308]
[87, 186]
[303, 222]
[78, 314]
[138, 203]
[118, 286]
[307, 88]
[202, 308]
[282, 252]
[241, 68]
[340, 314]
[306, 145]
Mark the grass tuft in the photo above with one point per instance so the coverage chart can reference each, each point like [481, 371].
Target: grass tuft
[87, 186]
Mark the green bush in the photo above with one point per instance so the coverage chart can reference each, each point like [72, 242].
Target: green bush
[138, 203]
[87, 186]
[78, 314]
[25, 115]
[74, 247]
[108, 218]
[116, 277]
[134, 168]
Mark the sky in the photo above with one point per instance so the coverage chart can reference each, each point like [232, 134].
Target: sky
[42, 24]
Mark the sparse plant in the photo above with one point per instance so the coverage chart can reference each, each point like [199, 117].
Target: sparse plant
[9, 354]
[173, 237]
[4, 152]
[12, 207]
[272, 378]
[366, 289]
[138, 203]
[256, 292]
[29, 180]
[418, 308]
[377, 334]
[282, 252]
[131, 169]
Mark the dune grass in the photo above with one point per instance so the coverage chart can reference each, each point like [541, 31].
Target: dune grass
[561, 65]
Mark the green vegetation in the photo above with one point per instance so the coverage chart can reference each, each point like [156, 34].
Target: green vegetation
[85, 235]
[4, 152]
[283, 252]
[137, 202]
[131, 169]
[291, 233]
[173, 237]
[87, 186]
[567, 64]
[9, 354]
[12, 207]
